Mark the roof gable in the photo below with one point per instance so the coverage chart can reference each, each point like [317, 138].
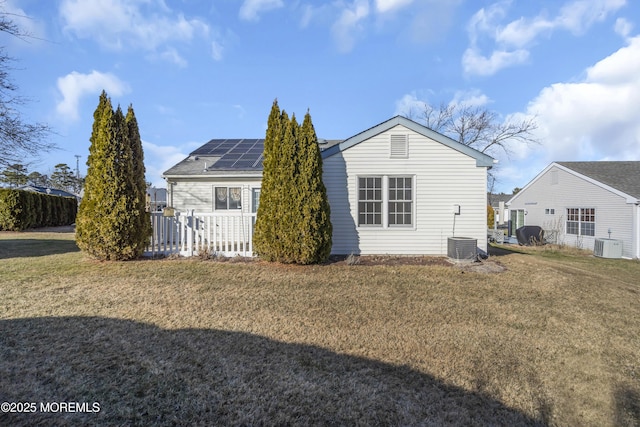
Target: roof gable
[481, 158]
[622, 178]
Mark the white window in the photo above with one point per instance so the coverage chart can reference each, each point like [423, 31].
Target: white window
[385, 201]
[400, 201]
[370, 200]
[227, 198]
[581, 221]
[255, 199]
[549, 211]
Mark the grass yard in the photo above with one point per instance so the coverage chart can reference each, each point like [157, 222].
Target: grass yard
[554, 339]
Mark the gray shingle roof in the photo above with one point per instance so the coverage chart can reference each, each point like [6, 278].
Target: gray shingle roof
[623, 176]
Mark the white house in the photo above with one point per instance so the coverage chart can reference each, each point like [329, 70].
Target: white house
[579, 202]
[396, 188]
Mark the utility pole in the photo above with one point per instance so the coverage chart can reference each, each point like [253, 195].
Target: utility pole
[77, 186]
[77, 156]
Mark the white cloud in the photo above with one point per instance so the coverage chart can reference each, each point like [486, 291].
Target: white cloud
[383, 6]
[623, 27]
[348, 25]
[410, 106]
[596, 118]
[473, 62]
[217, 50]
[75, 86]
[251, 9]
[122, 24]
[512, 40]
[471, 98]
[172, 55]
[158, 159]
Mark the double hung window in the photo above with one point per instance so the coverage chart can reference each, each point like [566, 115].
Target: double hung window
[385, 201]
[227, 198]
[581, 221]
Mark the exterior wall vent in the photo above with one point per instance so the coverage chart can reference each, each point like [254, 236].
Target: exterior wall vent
[462, 248]
[607, 248]
[399, 146]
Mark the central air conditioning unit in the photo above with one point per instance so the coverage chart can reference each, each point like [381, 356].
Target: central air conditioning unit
[462, 248]
[607, 248]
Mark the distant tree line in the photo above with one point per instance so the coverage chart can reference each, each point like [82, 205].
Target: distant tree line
[62, 178]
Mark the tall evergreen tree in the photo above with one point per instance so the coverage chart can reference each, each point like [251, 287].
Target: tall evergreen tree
[143, 226]
[315, 227]
[265, 233]
[108, 222]
[293, 224]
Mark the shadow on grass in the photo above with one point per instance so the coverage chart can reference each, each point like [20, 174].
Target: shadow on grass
[503, 250]
[142, 375]
[17, 248]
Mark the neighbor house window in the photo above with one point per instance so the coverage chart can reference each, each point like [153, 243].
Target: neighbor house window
[581, 221]
[228, 198]
[550, 211]
[370, 200]
[400, 201]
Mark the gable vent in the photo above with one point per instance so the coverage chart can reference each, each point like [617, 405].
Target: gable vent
[399, 146]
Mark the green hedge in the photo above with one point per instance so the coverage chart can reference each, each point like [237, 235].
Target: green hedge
[20, 209]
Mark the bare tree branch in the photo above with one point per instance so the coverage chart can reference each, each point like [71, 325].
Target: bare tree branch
[19, 139]
[478, 127]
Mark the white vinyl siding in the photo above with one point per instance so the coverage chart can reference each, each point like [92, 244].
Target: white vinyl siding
[199, 195]
[571, 191]
[441, 178]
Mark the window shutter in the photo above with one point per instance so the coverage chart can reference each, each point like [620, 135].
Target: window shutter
[399, 146]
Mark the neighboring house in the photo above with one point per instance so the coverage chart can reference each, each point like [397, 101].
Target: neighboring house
[156, 199]
[498, 203]
[577, 202]
[51, 191]
[396, 188]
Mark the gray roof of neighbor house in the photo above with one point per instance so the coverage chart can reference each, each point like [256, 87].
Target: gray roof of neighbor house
[495, 199]
[228, 157]
[623, 176]
[47, 190]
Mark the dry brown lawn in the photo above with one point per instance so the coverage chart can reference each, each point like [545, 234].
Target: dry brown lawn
[543, 337]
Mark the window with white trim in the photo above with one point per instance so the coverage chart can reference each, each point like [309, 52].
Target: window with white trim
[227, 198]
[581, 221]
[549, 211]
[385, 201]
[400, 201]
[370, 200]
[255, 199]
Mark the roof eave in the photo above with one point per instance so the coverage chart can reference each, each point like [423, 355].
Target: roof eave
[482, 159]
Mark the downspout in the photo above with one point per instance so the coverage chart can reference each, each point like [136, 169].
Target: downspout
[636, 242]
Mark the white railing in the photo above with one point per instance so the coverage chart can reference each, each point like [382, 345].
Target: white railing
[190, 234]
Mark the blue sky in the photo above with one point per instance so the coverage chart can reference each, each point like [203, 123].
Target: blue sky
[196, 70]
